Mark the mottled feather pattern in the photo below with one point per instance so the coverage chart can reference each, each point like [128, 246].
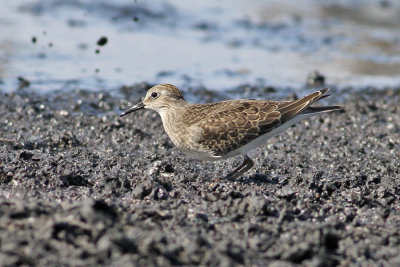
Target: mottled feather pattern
[234, 123]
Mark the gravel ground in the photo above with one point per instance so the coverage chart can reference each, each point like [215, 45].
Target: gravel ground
[81, 186]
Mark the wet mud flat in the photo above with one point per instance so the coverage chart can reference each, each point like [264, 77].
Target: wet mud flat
[81, 186]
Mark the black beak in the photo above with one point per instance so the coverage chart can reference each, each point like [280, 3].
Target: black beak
[132, 109]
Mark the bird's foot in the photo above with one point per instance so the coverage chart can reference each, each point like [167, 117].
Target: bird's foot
[246, 165]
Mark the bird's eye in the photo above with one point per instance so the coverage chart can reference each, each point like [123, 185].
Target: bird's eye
[154, 95]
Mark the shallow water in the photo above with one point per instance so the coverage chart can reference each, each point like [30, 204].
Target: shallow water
[215, 44]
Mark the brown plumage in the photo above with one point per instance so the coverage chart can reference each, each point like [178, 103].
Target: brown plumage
[228, 128]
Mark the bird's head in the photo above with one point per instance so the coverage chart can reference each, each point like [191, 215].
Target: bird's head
[159, 98]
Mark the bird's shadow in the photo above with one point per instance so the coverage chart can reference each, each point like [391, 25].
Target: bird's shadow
[259, 178]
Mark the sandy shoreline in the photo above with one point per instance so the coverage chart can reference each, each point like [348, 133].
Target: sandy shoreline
[79, 186]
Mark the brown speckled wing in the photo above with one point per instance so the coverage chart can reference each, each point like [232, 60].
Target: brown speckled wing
[232, 124]
[236, 123]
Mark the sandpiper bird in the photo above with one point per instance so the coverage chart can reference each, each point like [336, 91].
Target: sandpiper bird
[229, 128]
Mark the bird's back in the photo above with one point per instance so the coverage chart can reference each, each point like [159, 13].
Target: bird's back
[217, 129]
[225, 126]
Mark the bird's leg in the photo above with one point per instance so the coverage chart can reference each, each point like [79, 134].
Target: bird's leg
[246, 165]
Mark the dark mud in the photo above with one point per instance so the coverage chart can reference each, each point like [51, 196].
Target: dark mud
[81, 186]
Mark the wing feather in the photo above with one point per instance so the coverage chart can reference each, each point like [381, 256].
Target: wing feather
[232, 124]
[237, 125]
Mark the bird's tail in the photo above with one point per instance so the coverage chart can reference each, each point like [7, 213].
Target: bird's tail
[302, 106]
[310, 110]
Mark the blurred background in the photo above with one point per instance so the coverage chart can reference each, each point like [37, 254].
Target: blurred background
[52, 45]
